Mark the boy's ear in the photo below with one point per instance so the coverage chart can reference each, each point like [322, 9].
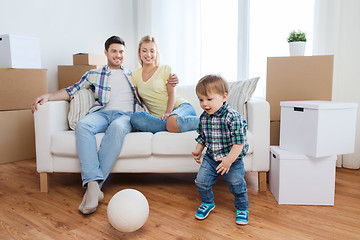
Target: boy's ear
[225, 96]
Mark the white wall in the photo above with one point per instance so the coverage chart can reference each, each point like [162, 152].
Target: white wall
[66, 27]
[337, 31]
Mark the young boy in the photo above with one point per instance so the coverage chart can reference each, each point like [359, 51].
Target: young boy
[223, 131]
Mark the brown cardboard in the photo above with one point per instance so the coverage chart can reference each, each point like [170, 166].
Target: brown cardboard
[89, 59]
[17, 139]
[69, 75]
[19, 87]
[298, 78]
[274, 133]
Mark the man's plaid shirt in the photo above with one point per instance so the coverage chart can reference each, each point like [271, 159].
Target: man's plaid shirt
[99, 81]
[221, 130]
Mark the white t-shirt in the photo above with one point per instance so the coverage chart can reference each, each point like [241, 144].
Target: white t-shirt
[121, 97]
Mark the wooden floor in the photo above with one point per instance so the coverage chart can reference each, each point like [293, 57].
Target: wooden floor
[25, 213]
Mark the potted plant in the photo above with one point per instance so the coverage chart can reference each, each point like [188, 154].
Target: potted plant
[297, 41]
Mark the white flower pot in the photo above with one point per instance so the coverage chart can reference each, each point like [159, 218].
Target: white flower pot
[297, 48]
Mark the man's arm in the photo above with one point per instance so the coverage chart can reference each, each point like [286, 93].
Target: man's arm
[62, 94]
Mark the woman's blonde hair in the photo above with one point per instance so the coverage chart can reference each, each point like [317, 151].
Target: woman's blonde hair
[212, 84]
[148, 39]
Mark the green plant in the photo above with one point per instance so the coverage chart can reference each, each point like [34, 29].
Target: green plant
[298, 36]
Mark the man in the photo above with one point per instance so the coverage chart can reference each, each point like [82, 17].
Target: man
[116, 100]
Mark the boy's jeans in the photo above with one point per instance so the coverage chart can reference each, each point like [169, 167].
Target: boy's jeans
[207, 176]
[96, 165]
[186, 120]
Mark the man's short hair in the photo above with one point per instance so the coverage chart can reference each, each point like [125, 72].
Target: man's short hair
[113, 39]
[212, 84]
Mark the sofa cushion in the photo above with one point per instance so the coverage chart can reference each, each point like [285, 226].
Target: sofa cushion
[240, 92]
[166, 143]
[80, 104]
[136, 144]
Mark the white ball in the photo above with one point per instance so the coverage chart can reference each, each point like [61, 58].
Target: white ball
[128, 210]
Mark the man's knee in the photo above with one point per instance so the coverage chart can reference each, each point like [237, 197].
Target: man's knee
[171, 124]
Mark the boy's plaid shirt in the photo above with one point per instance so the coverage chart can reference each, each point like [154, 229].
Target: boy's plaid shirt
[98, 80]
[221, 130]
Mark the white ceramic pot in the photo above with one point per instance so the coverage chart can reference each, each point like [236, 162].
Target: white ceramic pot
[297, 48]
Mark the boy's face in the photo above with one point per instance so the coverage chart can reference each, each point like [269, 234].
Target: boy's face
[212, 102]
[115, 55]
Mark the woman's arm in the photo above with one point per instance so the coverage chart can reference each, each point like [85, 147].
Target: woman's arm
[171, 101]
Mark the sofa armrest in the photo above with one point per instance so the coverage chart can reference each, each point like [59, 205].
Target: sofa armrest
[258, 114]
[49, 118]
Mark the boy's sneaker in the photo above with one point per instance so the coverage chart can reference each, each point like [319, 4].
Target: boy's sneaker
[242, 217]
[204, 210]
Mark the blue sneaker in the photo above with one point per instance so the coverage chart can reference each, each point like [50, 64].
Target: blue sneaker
[242, 217]
[204, 210]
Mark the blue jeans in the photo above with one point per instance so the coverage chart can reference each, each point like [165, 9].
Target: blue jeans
[96, 165]
[207, 176]
[186, 120]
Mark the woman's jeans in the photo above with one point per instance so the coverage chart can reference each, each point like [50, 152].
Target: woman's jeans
[96, 165]
[207, 176]
[186, 120]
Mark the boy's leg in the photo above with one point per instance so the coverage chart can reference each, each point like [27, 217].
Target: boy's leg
[146, 122]
[237, 186]
[205, 178]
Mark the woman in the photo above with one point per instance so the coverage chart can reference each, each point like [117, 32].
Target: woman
[166, 110]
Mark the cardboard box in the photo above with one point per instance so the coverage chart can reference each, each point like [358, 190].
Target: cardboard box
[19, 51]
[89, 59]
[274, 133]
[298, 78]
[318, 128]
[17, 139]
[69, 75]
[302, 180]
[19, 87]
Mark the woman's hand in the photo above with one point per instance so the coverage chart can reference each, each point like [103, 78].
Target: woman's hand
[165, 116]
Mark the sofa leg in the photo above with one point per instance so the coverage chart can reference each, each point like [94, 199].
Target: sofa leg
[262, 181]
[44, 182]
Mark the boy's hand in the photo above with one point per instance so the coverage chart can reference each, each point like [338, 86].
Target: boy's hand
[224, 166]
[197, 156]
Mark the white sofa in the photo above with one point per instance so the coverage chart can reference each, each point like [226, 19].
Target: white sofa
[144, 152]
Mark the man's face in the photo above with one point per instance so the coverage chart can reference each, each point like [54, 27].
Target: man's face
[115, 55]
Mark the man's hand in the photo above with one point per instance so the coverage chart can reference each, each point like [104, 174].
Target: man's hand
[173, 80]
[39, 100]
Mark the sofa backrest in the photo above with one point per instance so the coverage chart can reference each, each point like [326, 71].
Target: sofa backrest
[188, 92]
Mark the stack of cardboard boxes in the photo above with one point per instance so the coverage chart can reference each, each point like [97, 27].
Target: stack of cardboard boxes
[296, 79]
[83, 62]
[21, 80]
[310, 134]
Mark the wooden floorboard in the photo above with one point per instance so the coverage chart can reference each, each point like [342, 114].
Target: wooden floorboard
[26, 213]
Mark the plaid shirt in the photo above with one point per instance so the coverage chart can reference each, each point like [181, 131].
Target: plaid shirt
[221, 130]
[99, 81]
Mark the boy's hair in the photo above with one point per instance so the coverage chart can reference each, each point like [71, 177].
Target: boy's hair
[212, 84]
[148, 39]
[113, 39]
